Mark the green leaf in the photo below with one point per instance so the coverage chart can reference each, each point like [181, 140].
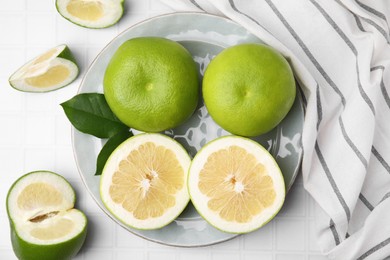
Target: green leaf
[89, 113]
[109, 147]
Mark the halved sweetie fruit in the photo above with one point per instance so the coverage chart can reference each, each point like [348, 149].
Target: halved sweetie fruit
[235, 184]
[49, 71]
[44, 224]
[144, 181]
[91, 13]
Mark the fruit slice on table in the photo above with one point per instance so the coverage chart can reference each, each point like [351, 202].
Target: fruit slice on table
[91, 13]
[235, 184]
[144, 182]
[52, 70]
[44, 224]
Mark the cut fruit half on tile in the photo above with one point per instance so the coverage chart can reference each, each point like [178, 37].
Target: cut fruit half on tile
[91, 13]
[44, 224]
[51, 70]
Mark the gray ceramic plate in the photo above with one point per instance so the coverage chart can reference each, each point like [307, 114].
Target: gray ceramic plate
[204, 36]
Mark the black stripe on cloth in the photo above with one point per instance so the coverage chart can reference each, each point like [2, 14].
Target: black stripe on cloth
[387, 195]
[366, 202]
[372, 10]
[353, 49]
[197, 5]
[374, 249]
[319, 107]
[352, 145]
[380, 159]
[379, 29]
[234, 7]
[336, 89]
[332, 181]
[307, 51]
[334, 232]
[383, 87]
[358, 22]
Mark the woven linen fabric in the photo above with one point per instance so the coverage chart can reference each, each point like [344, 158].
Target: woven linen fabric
[340, 53]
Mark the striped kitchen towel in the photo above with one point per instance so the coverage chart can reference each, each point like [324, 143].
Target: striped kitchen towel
[340, 52]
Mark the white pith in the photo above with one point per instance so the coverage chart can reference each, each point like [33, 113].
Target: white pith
[200, 200]
[33, 69]
[112, 12]
[182, 197]
[23, 220]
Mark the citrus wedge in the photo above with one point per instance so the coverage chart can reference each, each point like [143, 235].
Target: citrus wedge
[144, 182]
[44, 224]
[91, 13]
[52, 70]
[235, 184]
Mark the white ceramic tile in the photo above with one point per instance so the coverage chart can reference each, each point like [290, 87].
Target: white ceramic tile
[11, 100]
[98, 254]
[161, 256]
[90, 204]
[257, 256]
[261, 239]
[7, 255]
[11, 59]
[125, 239]
[5, 241]
[63, 131]
[191, 254]
[39, 159]
[294, 205]
[69, 33]
[41, 5]
[14, 5]
[233, 244]
[129, 254]
[290, 234]
[11, 130]
[46, 33]
[318, 257]
[136, 6]
[40, 102]
[313, 243]
[65, 162]
[100, 232]
[39, 130]
[290, 257]
[101, 37]
[225, 256]
[14, 34]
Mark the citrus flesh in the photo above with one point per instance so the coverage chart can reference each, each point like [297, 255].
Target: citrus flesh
[91, 13]
[49, 71]
[235, 184]
[248, 89]
[44, 224]
[144, 182]
[151, 84]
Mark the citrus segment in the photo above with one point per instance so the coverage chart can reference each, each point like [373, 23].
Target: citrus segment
[91, 13]
[85, 10]
[235, 184]
[51, 70]
[37, 195]
[144, 181]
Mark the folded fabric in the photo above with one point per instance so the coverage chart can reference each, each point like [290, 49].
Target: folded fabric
[340, 53]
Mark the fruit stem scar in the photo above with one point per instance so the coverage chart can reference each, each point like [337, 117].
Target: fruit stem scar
[149, 86]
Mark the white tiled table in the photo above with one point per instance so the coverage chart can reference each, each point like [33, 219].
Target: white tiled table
[35, 135]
